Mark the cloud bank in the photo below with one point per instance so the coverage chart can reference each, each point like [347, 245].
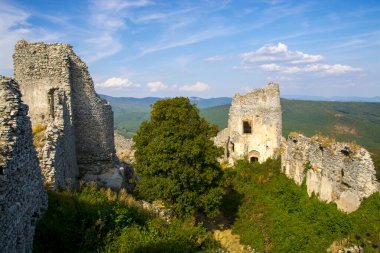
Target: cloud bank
[278, 58]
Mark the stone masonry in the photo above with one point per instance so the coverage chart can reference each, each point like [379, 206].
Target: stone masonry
[335, 171]
[22, 195]
[59, 90]
[254, 126]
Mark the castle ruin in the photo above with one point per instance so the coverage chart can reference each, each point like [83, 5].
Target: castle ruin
[59, 90]
[23, 198]
[254, 126]
[335, 171]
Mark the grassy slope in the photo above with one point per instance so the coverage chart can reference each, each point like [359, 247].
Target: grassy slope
[128, 118]
[276, 215]
[93, 220]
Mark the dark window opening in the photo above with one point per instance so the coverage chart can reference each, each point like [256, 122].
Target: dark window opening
[295, 141]
[51, 104]
[321, 148]
[51, 101]
[247, 128]
[233, 147]
[342, 173]
[253, 159]
[345, 152]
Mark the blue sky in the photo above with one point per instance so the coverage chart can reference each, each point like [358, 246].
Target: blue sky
[208, 48]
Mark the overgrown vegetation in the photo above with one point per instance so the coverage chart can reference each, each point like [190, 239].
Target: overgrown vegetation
[177, 160]
[276, 215]
[39, 135]
[99, 220]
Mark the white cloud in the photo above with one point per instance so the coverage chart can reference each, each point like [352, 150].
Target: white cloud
[322, 68]
[215, 58]
[270, 67]
[198, 86]
[278, 58]
[117, 82]
[279, 52]
[338, 68]
[156, 86]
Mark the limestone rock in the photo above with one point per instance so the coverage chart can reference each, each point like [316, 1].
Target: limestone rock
[124, 150]
[336, 171]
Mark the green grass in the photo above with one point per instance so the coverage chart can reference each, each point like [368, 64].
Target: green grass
[276, 215]
[93, 220]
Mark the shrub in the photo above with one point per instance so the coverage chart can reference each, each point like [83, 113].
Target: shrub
[99, 220]
[177, 160]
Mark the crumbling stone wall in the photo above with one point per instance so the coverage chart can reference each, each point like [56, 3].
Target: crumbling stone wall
[58, 161]
[254, 126]
[93, 119]
[22, 195]
[60, 93]
[335, 171]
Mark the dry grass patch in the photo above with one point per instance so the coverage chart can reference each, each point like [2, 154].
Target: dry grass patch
[39, 135]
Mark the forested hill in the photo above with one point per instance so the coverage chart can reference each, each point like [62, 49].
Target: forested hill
[347, 121]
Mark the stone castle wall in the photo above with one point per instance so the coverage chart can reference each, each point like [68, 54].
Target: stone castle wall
[58, 161]
[59, 90]
[22, 195]
[335, 171]
[43, 74]
[93, 119]
[254, 125]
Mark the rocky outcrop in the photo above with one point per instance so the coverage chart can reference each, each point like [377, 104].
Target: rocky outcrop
[254, 126]
[22, 196]
[335, 171]
[60, 93]
[124, 148]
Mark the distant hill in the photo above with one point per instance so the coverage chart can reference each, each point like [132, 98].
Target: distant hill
[349, 121]
[346, 121]
[336, 98]
[200, 102]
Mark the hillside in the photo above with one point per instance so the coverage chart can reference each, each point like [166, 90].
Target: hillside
[349, 121]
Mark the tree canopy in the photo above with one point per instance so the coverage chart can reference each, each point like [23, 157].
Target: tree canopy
[177, 160]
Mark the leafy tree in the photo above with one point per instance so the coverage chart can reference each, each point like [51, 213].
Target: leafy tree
[176, 159]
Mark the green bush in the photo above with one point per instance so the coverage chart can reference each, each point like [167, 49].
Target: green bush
[177, 160]
[98, 220]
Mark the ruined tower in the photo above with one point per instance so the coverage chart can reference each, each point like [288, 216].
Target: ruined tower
[59, 90]
[22, 195]
[254, 126]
